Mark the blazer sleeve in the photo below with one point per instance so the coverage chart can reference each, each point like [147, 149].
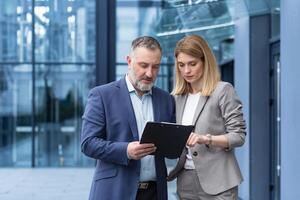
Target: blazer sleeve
[93, 134]
[231, 109]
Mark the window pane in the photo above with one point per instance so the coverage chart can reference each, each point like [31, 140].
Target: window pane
[15, 30]
[65, 30]
[15, 115]
[61, 93]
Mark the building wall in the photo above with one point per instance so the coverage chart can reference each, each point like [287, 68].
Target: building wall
[242, 78]
[290, 98]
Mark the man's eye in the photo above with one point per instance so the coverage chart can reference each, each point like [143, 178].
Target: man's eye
[143, 65]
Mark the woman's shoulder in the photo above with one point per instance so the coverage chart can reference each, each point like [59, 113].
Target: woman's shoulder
[222, 88]
[179, 97]
[176, 96]
[223, 85]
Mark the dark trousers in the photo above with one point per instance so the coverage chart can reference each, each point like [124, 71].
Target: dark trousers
[147, 191]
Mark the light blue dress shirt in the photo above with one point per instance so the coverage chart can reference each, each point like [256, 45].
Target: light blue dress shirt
[143, 110]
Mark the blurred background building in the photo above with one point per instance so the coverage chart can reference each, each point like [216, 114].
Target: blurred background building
[52, 52]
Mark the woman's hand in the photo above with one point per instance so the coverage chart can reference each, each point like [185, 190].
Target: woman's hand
[197, 138]
[214, 140]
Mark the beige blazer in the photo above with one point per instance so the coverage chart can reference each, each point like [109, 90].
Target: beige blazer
[217, 168]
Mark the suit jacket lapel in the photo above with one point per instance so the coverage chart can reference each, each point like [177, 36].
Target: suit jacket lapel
[128, 108]
[156, 105]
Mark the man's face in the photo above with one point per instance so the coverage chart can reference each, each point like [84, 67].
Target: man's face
[143, 66]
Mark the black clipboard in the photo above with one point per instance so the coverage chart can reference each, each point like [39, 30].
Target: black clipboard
[169, 138]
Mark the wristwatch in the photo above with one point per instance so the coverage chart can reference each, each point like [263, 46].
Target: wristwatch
[209, 139]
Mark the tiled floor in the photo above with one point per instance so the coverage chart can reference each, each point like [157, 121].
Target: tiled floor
[45, 184]
[49, 184]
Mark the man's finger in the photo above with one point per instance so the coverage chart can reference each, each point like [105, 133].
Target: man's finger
[146, 145]
[145, 150]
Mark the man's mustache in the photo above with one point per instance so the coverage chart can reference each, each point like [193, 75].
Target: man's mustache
[147, 79]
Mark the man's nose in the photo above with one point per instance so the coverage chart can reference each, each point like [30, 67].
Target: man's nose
[149, 72]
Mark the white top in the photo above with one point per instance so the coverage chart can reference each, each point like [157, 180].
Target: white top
[187, 119]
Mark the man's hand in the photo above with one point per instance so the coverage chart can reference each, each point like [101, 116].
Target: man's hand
[136, 151]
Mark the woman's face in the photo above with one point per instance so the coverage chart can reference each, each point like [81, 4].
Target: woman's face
[190, 68]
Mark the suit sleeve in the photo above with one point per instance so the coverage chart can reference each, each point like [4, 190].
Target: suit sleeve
[231, 108]
[93, 135]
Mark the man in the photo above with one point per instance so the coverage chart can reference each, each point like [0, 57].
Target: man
[113, 122]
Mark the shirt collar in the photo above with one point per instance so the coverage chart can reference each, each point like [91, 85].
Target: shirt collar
[131, 88]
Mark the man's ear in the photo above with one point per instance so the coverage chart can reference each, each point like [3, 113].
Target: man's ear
[129, 60]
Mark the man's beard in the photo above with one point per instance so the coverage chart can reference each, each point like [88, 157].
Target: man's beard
[138, 83]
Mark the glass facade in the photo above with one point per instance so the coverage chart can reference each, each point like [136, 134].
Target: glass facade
[45, 76]
[169, 21]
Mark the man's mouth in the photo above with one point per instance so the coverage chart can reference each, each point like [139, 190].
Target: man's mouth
[147, 80]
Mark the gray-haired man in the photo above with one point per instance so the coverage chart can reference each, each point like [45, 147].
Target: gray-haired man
[113, 121]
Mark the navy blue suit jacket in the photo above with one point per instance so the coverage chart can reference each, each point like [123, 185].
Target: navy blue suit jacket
[109, 124]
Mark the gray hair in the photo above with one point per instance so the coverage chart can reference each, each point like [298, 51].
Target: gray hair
[146, 42]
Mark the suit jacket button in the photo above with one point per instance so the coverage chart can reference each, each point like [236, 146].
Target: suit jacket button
[195, 153]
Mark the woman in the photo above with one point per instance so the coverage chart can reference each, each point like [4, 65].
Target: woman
[209, 169]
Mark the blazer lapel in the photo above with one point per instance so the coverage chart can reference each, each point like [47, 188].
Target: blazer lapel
[201, 104]
[180, 104]
[128, 108]
[175, 172]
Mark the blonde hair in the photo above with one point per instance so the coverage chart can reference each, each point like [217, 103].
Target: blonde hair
[197, 47]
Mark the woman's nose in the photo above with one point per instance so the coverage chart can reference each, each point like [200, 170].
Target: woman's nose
[186, 70]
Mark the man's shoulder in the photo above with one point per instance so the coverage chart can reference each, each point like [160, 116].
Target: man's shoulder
[107, 87]
[163, 95]
[161, 92]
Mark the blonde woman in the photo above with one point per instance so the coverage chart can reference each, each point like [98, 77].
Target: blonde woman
[208, 168]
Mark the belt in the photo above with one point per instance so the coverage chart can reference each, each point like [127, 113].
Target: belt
[146, 185]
